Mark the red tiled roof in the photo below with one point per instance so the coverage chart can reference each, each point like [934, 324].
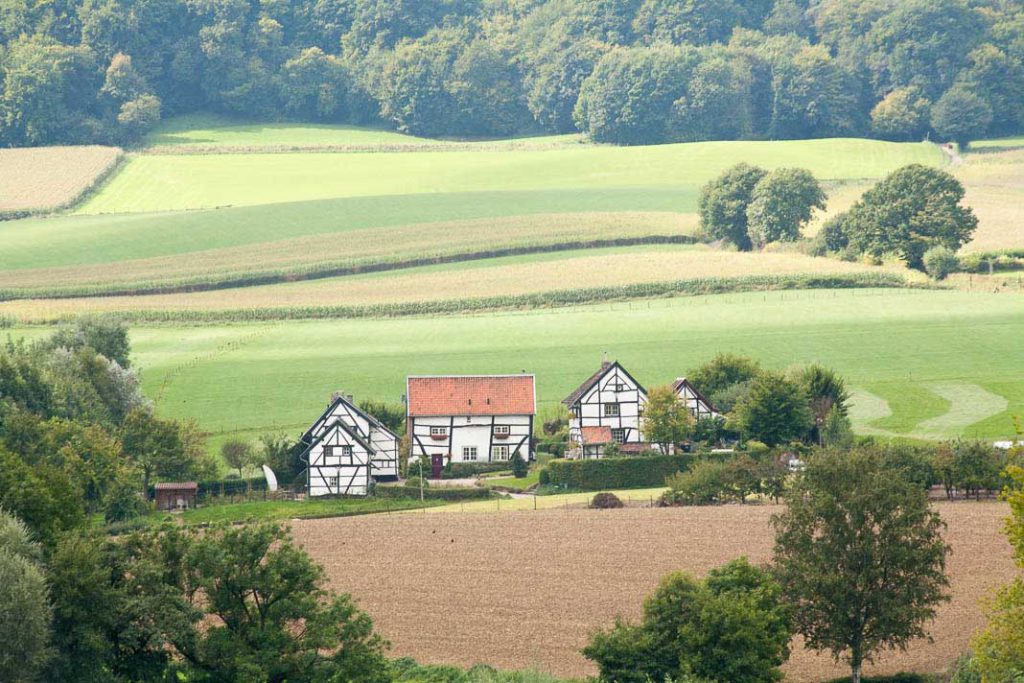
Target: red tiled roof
[596, 435]
[466, 395]
[175, 485]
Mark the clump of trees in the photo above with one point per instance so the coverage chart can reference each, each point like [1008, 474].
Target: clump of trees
[732, 626]
[912, 211]
[622, 71]
[750, 207]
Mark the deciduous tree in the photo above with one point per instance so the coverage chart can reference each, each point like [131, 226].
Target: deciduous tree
[723, 208]
[666, 420]
[781, 204]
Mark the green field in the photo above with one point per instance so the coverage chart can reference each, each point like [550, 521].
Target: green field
[900, 349]
[194, 181]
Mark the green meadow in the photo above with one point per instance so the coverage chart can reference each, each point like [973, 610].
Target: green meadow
[925, 364]
[167, 182]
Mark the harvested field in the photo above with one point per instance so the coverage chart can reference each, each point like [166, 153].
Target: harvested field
[45, 178]
[448, 588]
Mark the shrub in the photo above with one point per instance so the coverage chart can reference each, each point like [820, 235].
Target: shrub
[703, 484]
[605, 501]
[519, 467]
[964, 671]
[613, 473]
[939, 262]
[416, 482]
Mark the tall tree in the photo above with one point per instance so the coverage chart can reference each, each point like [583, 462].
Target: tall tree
[24, 604]
[860, 556]
[961, 115]
[666, 420]
[774, 412]
[911, 210]
[723, 208]
[781, 204]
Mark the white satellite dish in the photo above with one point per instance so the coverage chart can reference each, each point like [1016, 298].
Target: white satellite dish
[271, 478]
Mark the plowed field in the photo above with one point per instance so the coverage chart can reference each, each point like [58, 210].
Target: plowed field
[524, 589]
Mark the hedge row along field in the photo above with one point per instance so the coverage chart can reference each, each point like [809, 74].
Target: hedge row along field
[613, 473]
[41, 179]
[249, 308]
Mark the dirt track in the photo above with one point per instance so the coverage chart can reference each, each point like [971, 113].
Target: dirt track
[524, 589]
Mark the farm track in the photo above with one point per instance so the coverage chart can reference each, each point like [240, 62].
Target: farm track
[519, 589]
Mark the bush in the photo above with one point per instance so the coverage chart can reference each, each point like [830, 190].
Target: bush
[939, 262]
[519, 467]
[605, 501]
[964, 671]
[613, 473]
[416, 482]
[703, 484]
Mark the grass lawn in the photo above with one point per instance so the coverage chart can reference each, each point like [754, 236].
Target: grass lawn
[175, 182]
[297, 509]
[892, 345]
[532, 478]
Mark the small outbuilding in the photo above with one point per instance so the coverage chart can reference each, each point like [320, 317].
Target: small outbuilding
[175, 495]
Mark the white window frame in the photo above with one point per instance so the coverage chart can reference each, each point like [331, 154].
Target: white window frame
[339, 455]
[502, 430]
[619, 436]
[439, 431]
[469, 453]
[619, 387]
[612, 410]
[500, 453]
[334, 482]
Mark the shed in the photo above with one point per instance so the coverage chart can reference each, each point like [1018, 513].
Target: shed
[175, 495]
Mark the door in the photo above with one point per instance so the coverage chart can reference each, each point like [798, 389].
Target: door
[436, 465]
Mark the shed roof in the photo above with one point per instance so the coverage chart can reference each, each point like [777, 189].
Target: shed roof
[175, 486]
[596, 435]
[471, 395]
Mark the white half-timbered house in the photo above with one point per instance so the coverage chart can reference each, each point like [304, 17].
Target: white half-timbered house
[482, 418]
[346, 448]
[610, 398]
[694, 401]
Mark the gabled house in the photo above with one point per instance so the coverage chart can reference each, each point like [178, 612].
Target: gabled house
[610, 398]
[477, 418]
[346, 449]
[694, 401]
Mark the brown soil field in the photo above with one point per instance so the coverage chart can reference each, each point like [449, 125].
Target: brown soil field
[525, 589]
[43, 178]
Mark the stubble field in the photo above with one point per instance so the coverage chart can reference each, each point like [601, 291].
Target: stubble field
[45, 178]
[524, 589]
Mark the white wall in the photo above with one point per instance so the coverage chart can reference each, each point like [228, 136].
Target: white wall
[470, 431]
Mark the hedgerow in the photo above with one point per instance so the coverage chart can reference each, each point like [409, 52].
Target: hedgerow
[613, 473]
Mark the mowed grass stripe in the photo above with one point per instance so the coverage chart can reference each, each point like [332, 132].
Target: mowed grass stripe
[902, 339]
[177, 182]
[499, 277]
[312, 255]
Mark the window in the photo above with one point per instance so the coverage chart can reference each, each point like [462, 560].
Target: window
[439, 431]
[501, 430]
[619, 386]
[332, 483]
[499, 453]
[469, 452]
[611, 409]
[338, 455]
[619, 435]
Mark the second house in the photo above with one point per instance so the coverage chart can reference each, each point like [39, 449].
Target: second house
[470, 418]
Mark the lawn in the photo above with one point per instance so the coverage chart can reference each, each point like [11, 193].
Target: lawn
[268, 510]
[496, 277]
[522, 483]
[892, 345]
[168, 182]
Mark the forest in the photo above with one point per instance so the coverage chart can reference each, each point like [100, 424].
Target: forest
[620, 71]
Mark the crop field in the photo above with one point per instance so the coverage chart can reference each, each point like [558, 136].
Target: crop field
[509, 276]
[170, 182]
[551, 577]
[47, 178]
[993, 175]
[901, 350]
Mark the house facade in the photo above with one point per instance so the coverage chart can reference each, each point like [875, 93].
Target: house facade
[610, 398]
[346, 449]
[470, 418]
[699, 407]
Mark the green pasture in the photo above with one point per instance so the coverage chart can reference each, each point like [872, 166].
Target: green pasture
[923, 357]
[212, 131]
[166, 182]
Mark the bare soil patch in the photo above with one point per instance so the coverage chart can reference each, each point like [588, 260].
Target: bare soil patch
[523, 589]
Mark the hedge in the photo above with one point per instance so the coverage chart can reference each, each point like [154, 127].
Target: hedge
[613, 473]
[439, 493]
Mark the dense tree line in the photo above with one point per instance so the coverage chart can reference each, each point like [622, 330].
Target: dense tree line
[624, 71]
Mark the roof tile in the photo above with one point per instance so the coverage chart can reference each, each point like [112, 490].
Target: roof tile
[471, 395]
